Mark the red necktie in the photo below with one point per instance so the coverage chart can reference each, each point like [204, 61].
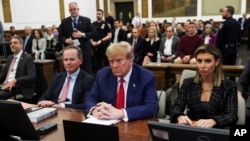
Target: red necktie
[120, 95]
[65, 90]
[10, 69]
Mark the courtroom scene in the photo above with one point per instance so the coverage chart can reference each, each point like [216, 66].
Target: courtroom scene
[141, 70]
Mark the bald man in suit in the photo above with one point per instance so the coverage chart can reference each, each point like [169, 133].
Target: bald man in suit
[76, 27]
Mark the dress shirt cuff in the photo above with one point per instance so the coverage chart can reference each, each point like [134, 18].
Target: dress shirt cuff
[62, 105]
[125, 115]
[90, 111]
[83, 35]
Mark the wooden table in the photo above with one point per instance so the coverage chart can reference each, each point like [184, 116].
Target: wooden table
[163, 70]
[47, 68]
[128, 131]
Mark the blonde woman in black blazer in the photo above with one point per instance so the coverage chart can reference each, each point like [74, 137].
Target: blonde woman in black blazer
[210, 99]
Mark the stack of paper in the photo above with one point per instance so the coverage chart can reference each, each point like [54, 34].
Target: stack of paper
[41, 114]
[95, 120]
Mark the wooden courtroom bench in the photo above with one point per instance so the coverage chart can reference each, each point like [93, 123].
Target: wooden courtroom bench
[164, 70]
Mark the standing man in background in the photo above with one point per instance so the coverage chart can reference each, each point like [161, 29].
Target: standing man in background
[77, 30]
[1, 32]
[228, 38]
[28, 38]
[100, 42]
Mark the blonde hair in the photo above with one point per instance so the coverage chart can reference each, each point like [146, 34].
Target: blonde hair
[120, 47]
[218, 72]
[156, 38]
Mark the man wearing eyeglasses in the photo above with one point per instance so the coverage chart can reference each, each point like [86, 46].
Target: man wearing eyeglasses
[77, 30]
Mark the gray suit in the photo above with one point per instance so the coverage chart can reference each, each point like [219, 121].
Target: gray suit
[1, 32]
[174, 46]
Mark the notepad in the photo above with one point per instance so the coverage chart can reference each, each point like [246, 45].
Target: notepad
[95, 120]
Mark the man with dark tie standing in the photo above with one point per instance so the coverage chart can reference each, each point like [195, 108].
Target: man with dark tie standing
[123, 90]
[69, 88]
[77, 30]
[27, 40]
[19, 71]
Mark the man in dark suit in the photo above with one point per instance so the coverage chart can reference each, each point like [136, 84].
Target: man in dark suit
[243, 23]
[118, 34]
[168, 47]
[78, 29]
[79, 84]
[19, 72]
[28, 38]
[137, 44]
[136, 98]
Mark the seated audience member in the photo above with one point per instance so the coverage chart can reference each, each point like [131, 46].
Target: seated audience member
[12, 30]
[151, 46]
[7, 36]
[27, 40]
[244, 81]
[118, 34]
[69, 88]
[137, 43]
[1, 32]
[169, 45]
[208, 36]
[55, 47]
[38, 43]
[210, 99]
[19, 71]
[49, 36]
[123, 90]
[187, 46]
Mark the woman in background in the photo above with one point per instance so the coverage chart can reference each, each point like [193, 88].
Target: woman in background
[38, 43]
[151, 46]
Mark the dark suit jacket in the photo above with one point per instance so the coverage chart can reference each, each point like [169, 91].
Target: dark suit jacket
[84, 25]
[244, 80]
[174, 46]
[151, 48]
[25, 74]
[141, 93]
[83, 84]
[138, 55]
[222, 107]
[121, 35]
[28, 47]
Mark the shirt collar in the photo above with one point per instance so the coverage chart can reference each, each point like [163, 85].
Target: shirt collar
[75, 18]
[127, 76]
[74, 75]
[18, 54]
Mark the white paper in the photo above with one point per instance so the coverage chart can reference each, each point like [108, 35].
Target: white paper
[76, 42]
[95, 120]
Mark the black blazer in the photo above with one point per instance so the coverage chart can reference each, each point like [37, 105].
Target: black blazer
[28, 47]
[138, 55]
[151, 48]
[222, 107]
[84, 25]
[244, 80]
[83, 84]
[121, 35]
[25, 74]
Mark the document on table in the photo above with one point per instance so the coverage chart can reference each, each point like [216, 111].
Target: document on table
[95, 120]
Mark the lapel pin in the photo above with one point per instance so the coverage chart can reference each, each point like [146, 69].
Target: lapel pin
[133, 85]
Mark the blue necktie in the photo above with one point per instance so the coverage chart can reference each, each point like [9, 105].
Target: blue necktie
[74, 24]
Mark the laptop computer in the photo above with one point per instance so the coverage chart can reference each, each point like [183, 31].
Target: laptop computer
[174, 132]
[15, 122]
[74, 130]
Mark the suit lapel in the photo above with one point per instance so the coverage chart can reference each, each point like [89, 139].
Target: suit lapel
[20, 62]
[133, 83]
[77, 86]
[112, 89]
